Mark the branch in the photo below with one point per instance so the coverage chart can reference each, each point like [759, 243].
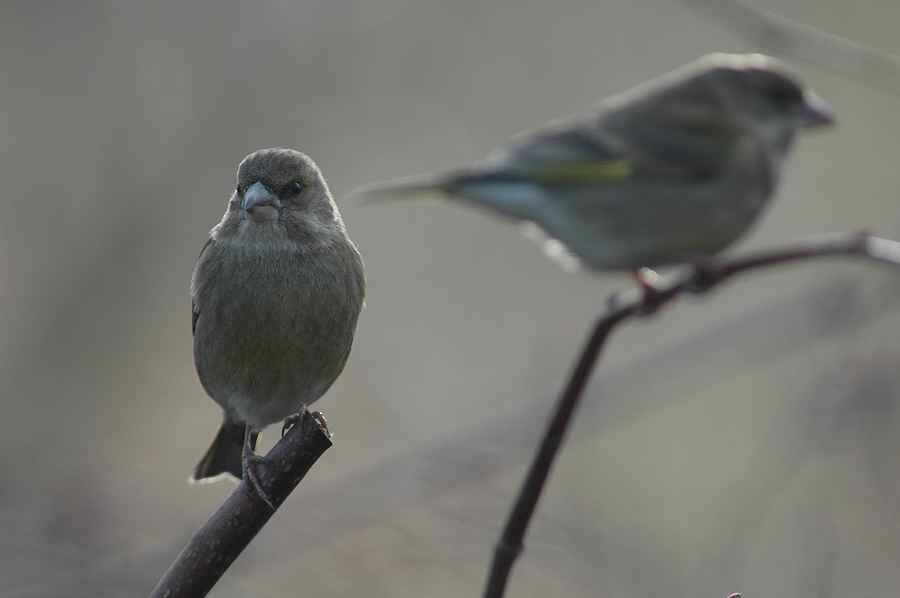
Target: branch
[699, 279]
[231, 528]
[798, 41]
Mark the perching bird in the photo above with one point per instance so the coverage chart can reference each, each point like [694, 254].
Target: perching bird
[674, 170]
[276, 294]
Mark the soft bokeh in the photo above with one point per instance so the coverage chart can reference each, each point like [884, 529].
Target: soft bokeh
[747, 442]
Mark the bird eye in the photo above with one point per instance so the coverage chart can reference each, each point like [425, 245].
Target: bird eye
[785, 94]
[293, 188]
[239, 189]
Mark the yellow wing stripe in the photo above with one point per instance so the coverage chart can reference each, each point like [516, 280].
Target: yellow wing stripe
[584, 172]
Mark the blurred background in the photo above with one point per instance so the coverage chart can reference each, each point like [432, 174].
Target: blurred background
[746, 442]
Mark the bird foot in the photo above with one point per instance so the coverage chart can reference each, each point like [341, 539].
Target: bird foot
[249, 464]
[292, 420]
[250, 474]
[650, 296]
[705, 276]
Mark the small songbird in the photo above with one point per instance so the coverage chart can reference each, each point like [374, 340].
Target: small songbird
[276, 294]
[674, 170]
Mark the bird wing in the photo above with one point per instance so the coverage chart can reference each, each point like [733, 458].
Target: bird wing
[195, 309]
[586, 151]
[565, 154]
[195, 313]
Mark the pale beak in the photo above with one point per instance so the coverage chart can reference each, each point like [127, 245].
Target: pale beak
[257, 195]
[814, 112]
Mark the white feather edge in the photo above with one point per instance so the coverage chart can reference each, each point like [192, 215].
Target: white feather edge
[553, 248]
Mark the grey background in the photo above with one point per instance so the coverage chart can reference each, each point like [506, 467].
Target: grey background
[744, 442]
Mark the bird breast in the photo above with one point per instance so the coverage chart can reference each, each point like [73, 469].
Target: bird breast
[275, 325]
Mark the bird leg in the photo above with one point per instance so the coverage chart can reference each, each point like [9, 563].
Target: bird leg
[704, 276]
[292, 420]
[646, 279]
[249, 462]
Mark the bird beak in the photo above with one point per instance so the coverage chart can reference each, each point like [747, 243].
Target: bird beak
[258, 195]
[814, 112]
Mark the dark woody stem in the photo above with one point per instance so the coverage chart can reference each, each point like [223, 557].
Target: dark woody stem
[230, 529]
[699, 279]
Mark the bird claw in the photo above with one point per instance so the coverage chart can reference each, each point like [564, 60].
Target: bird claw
[650, 295]
[293, 419]
[249, 463]
[250, 475]
[320, 420]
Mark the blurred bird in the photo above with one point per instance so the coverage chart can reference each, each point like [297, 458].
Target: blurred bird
[276, 293]
[674, 170]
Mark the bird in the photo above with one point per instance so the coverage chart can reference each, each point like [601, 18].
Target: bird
[276, 293]
[672, 171]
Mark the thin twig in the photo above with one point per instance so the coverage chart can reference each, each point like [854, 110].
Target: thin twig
[803, 42]
[231, 528]
[699, 279]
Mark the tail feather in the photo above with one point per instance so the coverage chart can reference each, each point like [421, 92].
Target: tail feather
[224, 455]
[415, 187]
[460, 184]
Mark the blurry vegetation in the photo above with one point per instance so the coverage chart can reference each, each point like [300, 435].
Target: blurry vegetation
[749, 442]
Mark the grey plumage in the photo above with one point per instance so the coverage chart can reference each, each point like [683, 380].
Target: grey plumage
[676, 169]
[276, 294]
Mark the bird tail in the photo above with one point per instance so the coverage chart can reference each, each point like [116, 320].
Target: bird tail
[416, 187]
[224, 455]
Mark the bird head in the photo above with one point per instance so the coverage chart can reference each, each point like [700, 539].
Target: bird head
[757, 94]
[280, 193]
[762, 91]
[727, 93]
